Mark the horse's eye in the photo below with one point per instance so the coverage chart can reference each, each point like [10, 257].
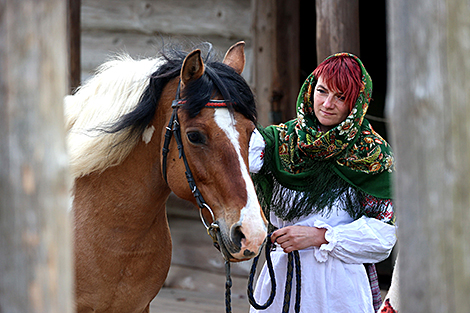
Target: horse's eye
[196, 137]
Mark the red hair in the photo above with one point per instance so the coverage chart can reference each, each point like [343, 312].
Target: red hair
[341, 74]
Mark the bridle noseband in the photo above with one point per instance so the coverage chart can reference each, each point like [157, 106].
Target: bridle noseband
[173, 130]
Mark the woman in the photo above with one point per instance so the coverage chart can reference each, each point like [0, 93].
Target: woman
[324, 181]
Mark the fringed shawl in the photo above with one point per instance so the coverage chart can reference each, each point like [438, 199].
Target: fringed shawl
[306, 170]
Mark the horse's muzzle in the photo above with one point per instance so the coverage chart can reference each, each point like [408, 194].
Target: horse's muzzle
[235, 245]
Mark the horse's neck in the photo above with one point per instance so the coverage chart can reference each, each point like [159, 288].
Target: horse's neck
[126, 200]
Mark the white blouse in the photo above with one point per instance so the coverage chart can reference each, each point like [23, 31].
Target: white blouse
[334, 278]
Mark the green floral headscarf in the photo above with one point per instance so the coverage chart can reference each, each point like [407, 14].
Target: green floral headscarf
[350, 161]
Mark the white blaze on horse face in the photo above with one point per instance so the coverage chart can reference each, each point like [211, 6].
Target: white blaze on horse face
[253, 224]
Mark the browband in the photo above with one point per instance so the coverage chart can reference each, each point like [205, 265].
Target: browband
[210, 104]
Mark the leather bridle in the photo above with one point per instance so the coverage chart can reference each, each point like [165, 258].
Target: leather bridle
[173, 130]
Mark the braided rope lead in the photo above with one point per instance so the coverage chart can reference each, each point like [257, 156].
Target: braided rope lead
[293, 260]
[288, 288]
[251, 297]
[228, 285]
[298, 275]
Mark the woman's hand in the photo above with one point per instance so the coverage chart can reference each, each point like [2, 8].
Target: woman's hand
[299, 237]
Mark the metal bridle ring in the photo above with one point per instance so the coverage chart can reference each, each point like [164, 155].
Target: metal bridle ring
[202, 216]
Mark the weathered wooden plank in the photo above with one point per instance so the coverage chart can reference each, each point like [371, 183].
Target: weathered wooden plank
[228, 19]
[337, 27]
[35, 231]
[193, 248]
[183, 301]
[99, 46]
[276, 67]
[200, 280]
[428, 103]
[73, 39]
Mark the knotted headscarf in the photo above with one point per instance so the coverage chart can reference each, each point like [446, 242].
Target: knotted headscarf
[307, 170]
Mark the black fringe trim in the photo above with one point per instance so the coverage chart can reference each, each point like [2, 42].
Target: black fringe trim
[318, 194]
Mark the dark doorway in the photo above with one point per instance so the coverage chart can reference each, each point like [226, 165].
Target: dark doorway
[373, 39]
[308, 30]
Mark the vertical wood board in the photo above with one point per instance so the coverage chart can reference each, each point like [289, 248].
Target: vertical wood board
[276, 59]
[35, 233]
[428, 103]
[337, 27]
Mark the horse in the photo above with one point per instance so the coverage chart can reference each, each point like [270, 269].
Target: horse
[125, 164]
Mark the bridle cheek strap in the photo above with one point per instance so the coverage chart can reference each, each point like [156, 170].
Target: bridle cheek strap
[172, 124]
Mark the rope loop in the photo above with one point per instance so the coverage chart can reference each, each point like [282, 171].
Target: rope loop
[251, 298]
[293, 261]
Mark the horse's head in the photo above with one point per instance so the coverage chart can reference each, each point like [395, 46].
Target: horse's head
[215, 139]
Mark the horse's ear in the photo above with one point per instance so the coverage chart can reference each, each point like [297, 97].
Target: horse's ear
[235, 57]
[193, 67]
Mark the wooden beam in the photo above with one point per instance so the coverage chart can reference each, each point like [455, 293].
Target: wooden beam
[428, 103]
[35, 233]
[74, 46]
[276, 65]
[337, 27]
[264, 12]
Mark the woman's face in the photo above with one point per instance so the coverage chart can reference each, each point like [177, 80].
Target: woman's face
[329, 106]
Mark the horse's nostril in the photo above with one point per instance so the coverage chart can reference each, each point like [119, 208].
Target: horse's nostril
[237, 236]
[248, 253]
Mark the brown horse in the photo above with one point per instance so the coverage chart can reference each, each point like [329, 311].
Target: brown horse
[116, 127]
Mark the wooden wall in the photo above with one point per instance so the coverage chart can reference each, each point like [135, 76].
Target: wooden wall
[141, 27]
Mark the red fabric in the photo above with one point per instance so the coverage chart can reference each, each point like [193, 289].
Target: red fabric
[388, 307]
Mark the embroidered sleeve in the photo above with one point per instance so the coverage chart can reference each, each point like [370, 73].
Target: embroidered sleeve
[256, 152]
[384, 207]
